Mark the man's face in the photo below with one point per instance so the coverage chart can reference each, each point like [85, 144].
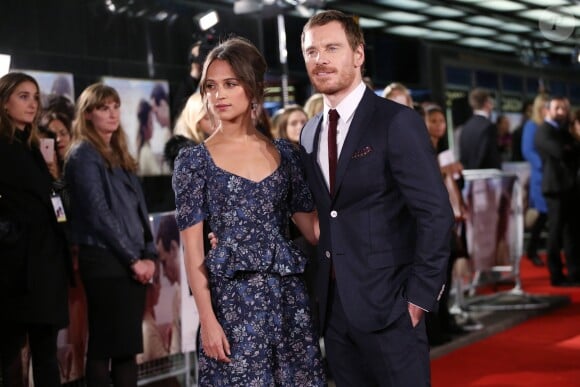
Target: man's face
[333, 67]
[169, 260]
[558, 111]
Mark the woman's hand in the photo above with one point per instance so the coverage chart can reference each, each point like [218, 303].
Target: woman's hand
[53, 169]
[214, 342]
[143, 270]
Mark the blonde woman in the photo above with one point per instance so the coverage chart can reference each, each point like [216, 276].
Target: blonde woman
[194, 122]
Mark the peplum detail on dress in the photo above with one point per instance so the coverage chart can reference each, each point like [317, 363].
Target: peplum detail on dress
[276, 256]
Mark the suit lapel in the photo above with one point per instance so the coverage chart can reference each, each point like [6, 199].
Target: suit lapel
[360, 121]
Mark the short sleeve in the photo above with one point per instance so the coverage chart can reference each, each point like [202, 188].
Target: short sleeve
[189, 183]
[300, 197]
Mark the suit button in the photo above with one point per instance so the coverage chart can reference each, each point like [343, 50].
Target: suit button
[327, 253]
[333, 214]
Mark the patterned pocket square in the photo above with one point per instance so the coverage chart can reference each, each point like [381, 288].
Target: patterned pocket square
[362, 152]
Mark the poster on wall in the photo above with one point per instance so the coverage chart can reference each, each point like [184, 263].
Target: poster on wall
[57, 93]
[171, 319]
[145, 117]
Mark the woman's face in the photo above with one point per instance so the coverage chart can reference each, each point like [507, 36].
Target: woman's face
[436, 125]
[63, 138]
[22, 105]
[105, 118]
[226, 96]
[296, 121]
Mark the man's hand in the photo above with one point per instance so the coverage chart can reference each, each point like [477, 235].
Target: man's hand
[416, 314]
[213, 240]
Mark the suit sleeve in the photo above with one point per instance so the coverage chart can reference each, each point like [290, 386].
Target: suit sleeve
[417, 174]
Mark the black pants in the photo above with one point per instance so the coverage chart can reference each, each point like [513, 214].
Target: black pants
[42, 342]
[535, 234]
[395, 356]
[562, 233]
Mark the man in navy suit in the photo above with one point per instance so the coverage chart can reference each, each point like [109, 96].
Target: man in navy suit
[385, 225]
[478, 147]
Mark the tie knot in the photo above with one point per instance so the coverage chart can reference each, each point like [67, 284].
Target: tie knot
[333, 115]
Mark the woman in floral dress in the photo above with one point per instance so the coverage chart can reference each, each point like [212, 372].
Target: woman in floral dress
[256, 326]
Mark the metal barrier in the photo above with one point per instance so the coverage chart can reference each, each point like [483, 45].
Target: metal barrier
[495, 234]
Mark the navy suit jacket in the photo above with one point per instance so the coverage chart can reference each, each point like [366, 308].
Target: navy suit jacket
[478, 144]
[387, 229]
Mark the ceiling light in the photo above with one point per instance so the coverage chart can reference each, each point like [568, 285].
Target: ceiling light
[370, 23]
[481, 31]
[449, 25]
[543, 3]
[206, 20]
[406, 4]
[402, 17]
[510, 38]
[443, 11]
[564, 19]
[475, 42]
[441, 35]
[502, 5]
[560, 50]
[408, 31]
[247, 6]
[485, 20]
[502, 47]
[517, 28]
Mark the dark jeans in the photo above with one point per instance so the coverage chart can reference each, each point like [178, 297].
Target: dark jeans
[42, 342]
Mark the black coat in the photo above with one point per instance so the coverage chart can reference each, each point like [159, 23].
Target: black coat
[478, 144]
[34, 254]
[558, 153]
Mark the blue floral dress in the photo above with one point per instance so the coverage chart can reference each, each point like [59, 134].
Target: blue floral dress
[255, 273]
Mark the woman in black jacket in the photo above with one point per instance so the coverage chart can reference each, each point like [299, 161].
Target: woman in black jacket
[34, 256]
[110, 224]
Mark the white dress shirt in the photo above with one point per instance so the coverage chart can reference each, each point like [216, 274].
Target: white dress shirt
[345, 109]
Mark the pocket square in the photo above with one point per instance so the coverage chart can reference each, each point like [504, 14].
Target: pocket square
[362, 152]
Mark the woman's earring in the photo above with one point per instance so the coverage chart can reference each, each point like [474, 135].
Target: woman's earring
[254, 106]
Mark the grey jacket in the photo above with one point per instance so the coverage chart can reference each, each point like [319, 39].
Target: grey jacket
[107, 207]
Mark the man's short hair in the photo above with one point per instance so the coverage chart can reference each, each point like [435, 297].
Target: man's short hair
[478, 97]
[159, 93]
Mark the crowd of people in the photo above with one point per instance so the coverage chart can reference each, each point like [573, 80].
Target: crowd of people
[364, 178]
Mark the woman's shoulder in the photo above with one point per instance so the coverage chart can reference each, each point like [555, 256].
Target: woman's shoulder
[287, 149]
[83, 150]
[191, 156]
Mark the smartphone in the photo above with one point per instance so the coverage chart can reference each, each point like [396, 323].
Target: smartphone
[47, 149]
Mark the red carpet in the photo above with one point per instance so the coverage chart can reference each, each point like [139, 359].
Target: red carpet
[544, 351]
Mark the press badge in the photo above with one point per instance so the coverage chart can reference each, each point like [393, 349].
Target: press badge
[58, 208]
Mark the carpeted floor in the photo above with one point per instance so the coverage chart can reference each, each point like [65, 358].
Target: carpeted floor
[542, 351]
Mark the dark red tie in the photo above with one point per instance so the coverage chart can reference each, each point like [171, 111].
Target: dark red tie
[332, 152]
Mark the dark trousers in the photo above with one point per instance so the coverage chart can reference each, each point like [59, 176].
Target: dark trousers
[535, 234]
[42, 342]
[562, 232]
[392, 357]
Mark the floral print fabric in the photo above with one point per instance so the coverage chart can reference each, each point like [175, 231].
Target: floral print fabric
[256, 283]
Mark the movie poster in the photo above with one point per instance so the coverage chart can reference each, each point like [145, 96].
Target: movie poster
[145, 117]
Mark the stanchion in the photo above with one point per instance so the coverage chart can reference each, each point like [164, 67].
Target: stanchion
[495, 232]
